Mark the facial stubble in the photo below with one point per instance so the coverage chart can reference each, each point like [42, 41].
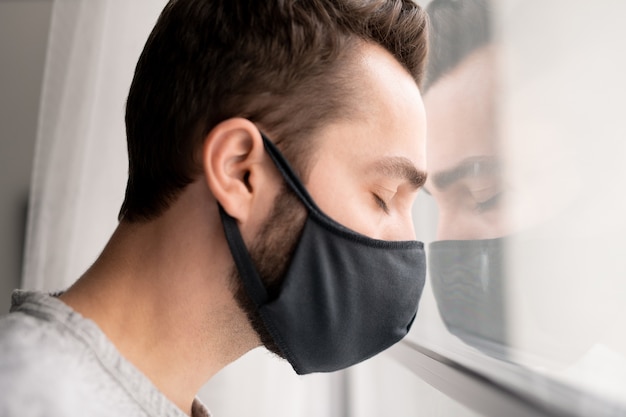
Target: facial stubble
[271, 252]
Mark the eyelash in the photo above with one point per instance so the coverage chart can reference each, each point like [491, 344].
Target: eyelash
[490, 203]
[381, 203]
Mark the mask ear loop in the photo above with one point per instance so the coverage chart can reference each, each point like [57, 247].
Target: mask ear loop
[243, 261]
[290, 176]
[292, 180]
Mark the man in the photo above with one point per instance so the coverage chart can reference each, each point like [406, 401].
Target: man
[221, 245]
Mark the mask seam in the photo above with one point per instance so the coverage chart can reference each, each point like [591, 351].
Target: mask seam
[348, 234]
[278, 339]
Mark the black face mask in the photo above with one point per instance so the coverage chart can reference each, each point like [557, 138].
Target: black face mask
[345, 297]
[468, 283]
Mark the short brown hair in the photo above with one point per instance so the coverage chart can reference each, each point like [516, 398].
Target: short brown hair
[279, 63]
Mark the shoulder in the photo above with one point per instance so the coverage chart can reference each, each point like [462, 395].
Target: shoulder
[40, 368]
[41, 333]
[26, 339]
[55, 368]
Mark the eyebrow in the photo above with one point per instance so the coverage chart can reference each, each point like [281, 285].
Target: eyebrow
[473, 166]
[402, 168]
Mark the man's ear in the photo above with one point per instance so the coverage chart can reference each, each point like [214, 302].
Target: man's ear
[232, 157]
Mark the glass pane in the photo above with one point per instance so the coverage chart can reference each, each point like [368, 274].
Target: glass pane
[523, 215]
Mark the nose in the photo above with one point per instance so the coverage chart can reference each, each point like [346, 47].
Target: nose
[401, 228]
[410, 227]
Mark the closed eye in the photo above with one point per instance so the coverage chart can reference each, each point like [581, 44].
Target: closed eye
[381, 203]
[490, 203]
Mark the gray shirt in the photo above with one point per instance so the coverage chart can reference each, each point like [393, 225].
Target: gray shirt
[54, 362]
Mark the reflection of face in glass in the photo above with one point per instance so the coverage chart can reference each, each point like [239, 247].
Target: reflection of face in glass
[466, 264]
[462, 150]
[523, 269]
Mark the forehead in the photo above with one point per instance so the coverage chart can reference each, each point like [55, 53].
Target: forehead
[387, 117]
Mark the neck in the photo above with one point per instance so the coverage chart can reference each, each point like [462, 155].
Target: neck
[160, 292]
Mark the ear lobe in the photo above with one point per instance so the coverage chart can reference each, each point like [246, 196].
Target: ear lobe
[232, 154]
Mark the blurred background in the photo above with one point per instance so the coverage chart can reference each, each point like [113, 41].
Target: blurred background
[24, 30]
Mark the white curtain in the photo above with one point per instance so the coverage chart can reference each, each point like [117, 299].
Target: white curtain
[79, 179]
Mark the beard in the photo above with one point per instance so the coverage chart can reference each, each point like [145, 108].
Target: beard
[271, 252]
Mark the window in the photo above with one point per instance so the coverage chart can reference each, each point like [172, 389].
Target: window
[523, 215]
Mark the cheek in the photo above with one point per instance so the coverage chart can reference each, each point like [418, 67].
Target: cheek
[398, 227]
[344, 204]
[342, 198]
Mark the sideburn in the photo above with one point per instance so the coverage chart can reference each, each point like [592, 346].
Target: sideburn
[271, 252]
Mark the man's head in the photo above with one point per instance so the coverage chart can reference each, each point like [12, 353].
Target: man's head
[365, 175]
[334, 84]
[287, 66]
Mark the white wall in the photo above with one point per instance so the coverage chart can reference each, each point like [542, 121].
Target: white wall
[23, 38]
